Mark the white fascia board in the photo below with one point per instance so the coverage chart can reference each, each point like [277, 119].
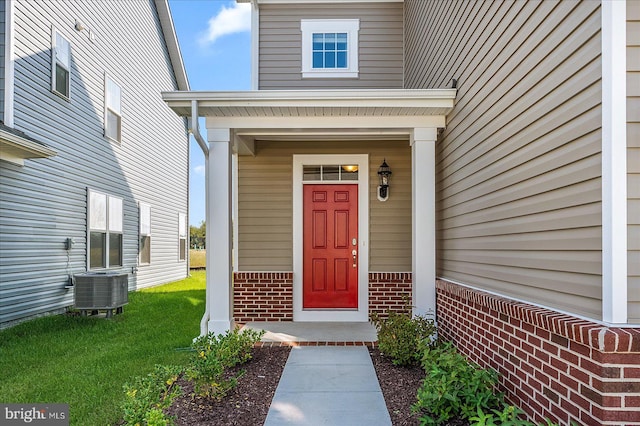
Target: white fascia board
[171, 40]
[436, 98]
[311, 95]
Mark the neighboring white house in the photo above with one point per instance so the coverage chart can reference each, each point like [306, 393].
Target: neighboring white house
[513, 208]
[93, 164]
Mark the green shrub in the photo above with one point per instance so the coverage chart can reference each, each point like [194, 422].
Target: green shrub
[147, 396]
[400, 336]
[509, 416]
[214, 355]
[453, 387]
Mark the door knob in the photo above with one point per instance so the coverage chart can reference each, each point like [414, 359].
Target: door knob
[354, 253]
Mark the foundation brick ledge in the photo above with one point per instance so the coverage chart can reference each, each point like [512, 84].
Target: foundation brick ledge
[566, 328]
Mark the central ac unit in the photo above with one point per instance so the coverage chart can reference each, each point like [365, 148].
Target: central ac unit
[101, 290]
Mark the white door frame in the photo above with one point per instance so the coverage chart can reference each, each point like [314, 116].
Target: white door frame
[362, 313]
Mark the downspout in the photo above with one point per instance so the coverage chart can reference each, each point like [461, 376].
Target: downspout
[194, 129]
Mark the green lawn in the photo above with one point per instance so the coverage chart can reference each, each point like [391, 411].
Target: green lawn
[84, 361]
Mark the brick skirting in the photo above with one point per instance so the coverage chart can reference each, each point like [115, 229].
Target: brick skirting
[551, 364]
[268, 296]
[262, 296]
[389, 291]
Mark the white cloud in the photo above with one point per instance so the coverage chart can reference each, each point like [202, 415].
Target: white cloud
[230, 20]
[199, 170]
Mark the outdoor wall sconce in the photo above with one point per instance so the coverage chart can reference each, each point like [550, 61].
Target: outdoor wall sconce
[384, 172]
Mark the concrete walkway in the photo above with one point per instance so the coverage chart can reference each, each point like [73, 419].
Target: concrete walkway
[294, 333]
[328, 385]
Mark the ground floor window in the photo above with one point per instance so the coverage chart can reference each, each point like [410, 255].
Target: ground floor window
[182, 237]
[105, 231]
[145, 234]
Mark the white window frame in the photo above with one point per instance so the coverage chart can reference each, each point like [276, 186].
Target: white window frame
[55, 61]
[110, 222]
[311, 26]
[183, 234]
[109, 107]
[144, 211]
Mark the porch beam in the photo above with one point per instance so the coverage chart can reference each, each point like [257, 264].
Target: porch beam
[405, 122]
[423, 142]
[219, 228]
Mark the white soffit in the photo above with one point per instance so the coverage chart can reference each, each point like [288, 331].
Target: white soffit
[313, 105]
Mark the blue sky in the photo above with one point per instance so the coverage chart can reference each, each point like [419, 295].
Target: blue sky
[215, 41]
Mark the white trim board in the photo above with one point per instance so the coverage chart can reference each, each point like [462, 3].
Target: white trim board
[614, 164]
[362, 313]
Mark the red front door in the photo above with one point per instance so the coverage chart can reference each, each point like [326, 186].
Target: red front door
[330, 247]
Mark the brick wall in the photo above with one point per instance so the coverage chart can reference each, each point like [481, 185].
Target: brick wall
[268, 296]
[389, 291]
[551, 364]
[263, 296]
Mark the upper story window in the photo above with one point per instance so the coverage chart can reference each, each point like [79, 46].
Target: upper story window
[60, 65]
[112, 110]
[330, 48]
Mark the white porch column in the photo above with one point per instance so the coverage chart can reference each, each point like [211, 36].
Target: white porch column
[219, 228]
[423, 202]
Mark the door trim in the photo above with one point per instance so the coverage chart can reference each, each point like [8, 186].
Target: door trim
[362, 313]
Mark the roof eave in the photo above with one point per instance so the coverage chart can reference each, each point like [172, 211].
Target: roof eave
[394, 98]
[171, 40]
[15, 149]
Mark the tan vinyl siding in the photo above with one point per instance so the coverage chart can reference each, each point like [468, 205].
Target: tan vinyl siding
[380, 45]
[633, 157]
[265, 234]
[518, 168]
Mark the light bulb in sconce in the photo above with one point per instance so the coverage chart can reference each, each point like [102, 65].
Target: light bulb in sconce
[79, 26]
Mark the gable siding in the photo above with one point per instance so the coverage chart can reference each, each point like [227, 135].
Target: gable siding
[518, 168]
[265, 235]
[380, 45]
[45, 201]
[633, 157]
[2, 56]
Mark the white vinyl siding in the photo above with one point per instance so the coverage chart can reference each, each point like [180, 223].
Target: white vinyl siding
[380, 45]
[518, 167]
[45, 202]
[633, 158]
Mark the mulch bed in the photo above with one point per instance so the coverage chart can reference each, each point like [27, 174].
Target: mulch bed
[249, 403]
